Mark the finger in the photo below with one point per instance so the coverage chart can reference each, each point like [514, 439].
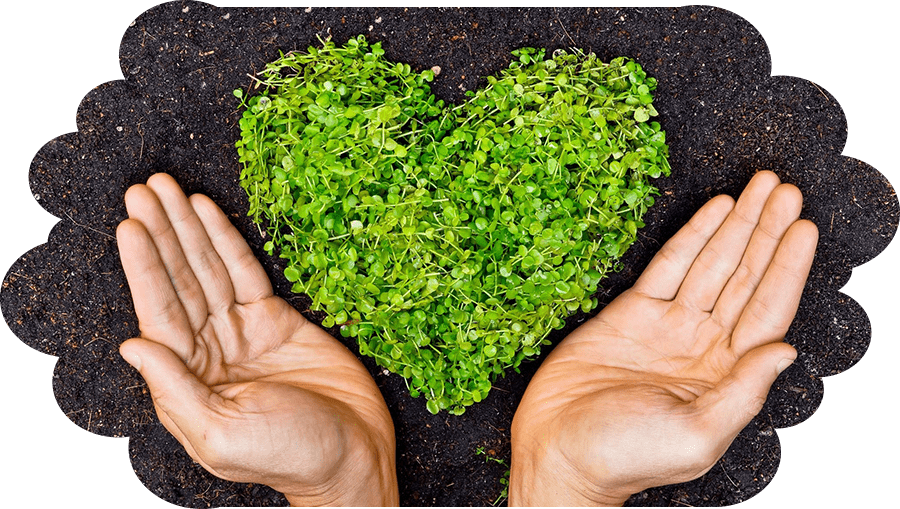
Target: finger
[780, 212]
[666, 271]
[182, 401]
[248, 278]
[774, 304]
[720, 257]
[156, 303]
[198, 250]
[143, 205]
[727, 408]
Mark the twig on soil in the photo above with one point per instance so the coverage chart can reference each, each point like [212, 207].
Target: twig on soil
[88, 227]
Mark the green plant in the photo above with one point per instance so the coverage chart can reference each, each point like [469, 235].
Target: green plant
[504, 480]
[449, 241]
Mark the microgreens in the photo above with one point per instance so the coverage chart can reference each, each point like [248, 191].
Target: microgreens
[449, 240]
[504, 479]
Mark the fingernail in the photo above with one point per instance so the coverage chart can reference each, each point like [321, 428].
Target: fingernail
[132, 359]
[783, 364]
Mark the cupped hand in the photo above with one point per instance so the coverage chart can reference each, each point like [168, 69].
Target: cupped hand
[253, 391]
[653, 390]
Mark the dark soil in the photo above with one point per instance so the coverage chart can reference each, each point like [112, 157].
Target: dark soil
[725, 117]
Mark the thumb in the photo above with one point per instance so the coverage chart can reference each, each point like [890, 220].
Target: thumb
[738, 397]
[175, 390]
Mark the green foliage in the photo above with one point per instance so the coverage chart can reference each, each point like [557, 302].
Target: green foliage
[504, 480]
[449, 241]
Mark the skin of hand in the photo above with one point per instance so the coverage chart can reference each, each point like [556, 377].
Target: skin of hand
[653, 390]
[252, 390]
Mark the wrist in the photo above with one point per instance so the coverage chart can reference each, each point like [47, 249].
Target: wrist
[363, 473]
[361, 482]
[544, 477]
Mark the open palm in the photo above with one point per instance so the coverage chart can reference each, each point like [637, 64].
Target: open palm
[653, 390]
[253, 391]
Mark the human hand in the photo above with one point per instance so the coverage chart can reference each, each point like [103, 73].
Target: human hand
[252, 390]
[653, 390]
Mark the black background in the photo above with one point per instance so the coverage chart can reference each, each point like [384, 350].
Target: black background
[842, 454]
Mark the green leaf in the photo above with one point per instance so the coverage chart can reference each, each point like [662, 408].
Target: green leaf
[291, 274]
[641, 115]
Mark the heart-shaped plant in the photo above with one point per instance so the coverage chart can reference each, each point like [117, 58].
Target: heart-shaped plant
[449, 240]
